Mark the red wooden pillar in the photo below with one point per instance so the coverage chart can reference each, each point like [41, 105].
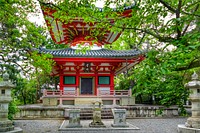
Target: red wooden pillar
[78, 82]
[61, 74]
[61, 82]
[112, 80]
[96, 83]
[96, 69]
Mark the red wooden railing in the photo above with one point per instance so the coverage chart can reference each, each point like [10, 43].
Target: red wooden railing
[116, 93]
[100, 93]
[59, 93]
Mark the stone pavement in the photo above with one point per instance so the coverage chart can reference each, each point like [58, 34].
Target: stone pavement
[87, 128]
[160, 125]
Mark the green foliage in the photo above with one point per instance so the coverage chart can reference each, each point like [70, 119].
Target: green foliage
[17, 38]
[43, 62]
[43, 68]
[12, 110]
[24, 92]
[156, 77]
[159, 112]
[122, 81]
[170, 33]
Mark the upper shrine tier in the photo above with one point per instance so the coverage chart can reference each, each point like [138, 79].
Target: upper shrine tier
[76, 31]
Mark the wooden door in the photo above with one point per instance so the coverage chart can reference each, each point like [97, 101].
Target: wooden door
[86, 86]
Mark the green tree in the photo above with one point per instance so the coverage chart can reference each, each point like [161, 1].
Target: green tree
[18, 35]
[18, 38]
[24, 92]
[43, 67]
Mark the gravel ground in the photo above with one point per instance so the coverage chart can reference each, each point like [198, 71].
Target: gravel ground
[168, 125]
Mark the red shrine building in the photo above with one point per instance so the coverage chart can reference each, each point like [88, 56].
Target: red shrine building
[87, 76]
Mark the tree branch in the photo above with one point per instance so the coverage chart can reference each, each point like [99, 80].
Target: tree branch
[167, 5]
[193, 64]
[160, 38]
[141, 39]
[196, 15]
[184, 31]
[178, 11]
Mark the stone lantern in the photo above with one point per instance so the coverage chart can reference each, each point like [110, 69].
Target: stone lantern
[194, 86]
[5, 98]
[97, 122]
[193, 123]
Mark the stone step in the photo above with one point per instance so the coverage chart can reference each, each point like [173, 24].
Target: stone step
[91, 116]
[102, 112]
[87, 113]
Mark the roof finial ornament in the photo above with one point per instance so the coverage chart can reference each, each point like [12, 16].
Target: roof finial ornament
[5, 76]
[194, 76]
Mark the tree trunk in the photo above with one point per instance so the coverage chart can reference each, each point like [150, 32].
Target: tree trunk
[24, 98]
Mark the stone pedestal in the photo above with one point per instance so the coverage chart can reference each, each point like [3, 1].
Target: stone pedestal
[183, 129]
[119, 118]
[74, 118]
[6, 126]
[97, 122]
[5, 98]
[193, 123]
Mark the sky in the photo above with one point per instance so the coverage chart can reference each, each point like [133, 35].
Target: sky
[37, 17]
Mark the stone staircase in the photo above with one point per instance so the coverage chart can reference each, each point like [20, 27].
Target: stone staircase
[87, 113]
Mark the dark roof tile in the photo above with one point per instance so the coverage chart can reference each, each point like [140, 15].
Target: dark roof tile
[69, 52]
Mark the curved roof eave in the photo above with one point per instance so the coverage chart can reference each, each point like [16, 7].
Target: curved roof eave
[101, 53]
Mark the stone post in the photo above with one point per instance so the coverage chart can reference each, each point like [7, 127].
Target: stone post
[119, 118]
[5, 98]
[74, 118]
[77, 91]
[194, 86]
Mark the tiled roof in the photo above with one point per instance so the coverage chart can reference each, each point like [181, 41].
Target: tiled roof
[69, 52]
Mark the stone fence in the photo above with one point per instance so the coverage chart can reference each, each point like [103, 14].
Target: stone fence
[136, 111]
[149, 111]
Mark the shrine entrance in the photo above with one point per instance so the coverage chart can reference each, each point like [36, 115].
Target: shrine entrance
[87, 86]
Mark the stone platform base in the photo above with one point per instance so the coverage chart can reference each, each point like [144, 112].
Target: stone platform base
[86, 101]
[38, 111]
[16, 130]
[94, 125]
[119, 125]
[183, 129]
[85, 123]
[74, 126]
[6, 126]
